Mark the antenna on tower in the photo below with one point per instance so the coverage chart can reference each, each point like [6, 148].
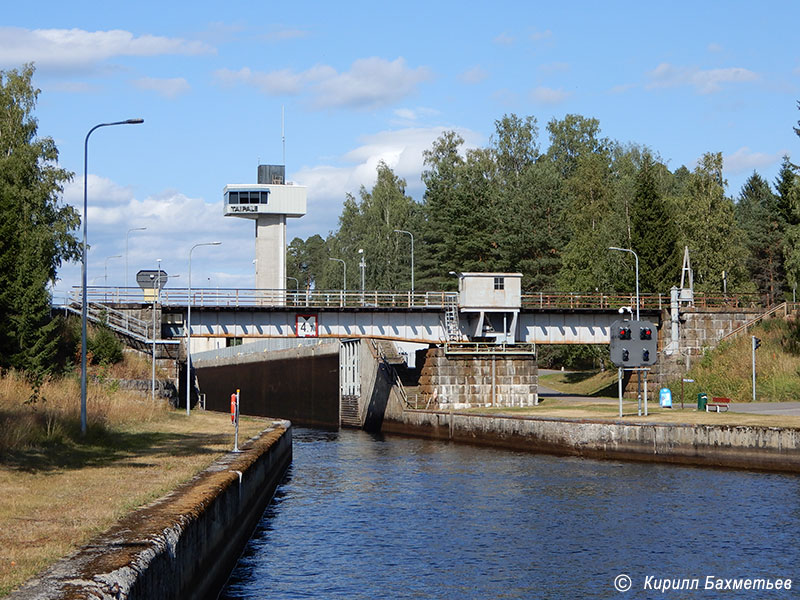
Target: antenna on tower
[283, 134]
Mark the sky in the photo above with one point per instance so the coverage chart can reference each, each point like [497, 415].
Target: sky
[358, 83]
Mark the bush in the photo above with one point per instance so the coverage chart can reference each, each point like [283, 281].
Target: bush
[104, 347]
[791, 338]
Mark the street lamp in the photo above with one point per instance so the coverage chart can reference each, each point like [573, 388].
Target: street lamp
[189, 326]
[84, 303]
[412, 254]
[105, 268]
[363, 265]
[156, 292]
[344, 272]
[127, 238]
[637, 274]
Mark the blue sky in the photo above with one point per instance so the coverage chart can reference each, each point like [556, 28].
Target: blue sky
[364, 82]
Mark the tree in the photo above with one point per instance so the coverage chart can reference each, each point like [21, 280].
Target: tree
[368, 223]
[35, 230]
[759, 216]
[654, 235]
[786, 187]
[709, 228]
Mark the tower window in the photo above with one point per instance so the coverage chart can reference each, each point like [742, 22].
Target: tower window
[499, 283]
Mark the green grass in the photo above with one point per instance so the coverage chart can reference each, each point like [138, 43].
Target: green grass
[582, 383]
[727, 369]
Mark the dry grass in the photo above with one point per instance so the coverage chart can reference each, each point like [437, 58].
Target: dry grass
[581, 383]
[60, 489]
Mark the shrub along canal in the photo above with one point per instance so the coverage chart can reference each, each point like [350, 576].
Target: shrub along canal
[368, 516]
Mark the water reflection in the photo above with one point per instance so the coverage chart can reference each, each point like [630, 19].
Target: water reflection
[361, 516]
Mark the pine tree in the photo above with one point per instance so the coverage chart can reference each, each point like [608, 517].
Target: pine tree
[654, 235]
[758, 214]
[35, 231]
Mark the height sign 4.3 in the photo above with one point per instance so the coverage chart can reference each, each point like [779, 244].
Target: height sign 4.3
[306, 326]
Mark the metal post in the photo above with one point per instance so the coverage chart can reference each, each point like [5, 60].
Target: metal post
[84, 303]
[753, 350]
[156, 293]
[645, 392]
[236, 425]
[189, 327]
[105, 268]
[619, 388]
[412, 254]
[636, 256]
[344, 272]
[363, 265]
[127, 239]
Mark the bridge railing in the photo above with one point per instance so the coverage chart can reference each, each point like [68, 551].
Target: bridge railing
[232, 297]
[212, 297]
[646, 301]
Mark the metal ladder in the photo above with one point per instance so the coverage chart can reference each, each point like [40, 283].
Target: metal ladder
[451, 320]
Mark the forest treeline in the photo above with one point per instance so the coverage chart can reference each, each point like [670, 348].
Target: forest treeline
[551, 215]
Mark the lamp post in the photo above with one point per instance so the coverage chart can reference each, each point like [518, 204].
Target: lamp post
[105, 268]
[344, 272]
[127, 239]
[156, 291]
[363, 264]
[412, 254]
[189, 326]
[637, 274]
[84, 304]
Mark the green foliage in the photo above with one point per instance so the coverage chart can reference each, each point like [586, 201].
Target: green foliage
[553, 215]
[104, 347]
[708, 227]
[758, 215]
[654, 233]
[791, 339]
[35, 231]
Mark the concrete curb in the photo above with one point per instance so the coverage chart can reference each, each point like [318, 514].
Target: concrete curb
[183, 545]
[745, 447]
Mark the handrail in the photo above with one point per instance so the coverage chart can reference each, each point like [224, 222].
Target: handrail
[233, 297]
[753, 322]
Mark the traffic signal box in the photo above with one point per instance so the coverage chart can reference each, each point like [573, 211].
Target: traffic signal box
[634, 344]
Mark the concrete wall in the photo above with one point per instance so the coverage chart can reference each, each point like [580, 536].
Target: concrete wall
[182, 546]
[301, 384]
[768, 448]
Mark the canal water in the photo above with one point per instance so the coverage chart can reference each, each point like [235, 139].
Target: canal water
[366, 516]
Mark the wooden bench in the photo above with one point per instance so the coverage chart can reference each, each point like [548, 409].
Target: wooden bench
[718, 404]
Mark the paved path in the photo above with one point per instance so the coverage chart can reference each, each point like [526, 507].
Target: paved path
[753, 408]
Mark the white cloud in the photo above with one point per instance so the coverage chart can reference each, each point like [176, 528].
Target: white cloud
[545, 95]
[555, 67]
[280, 35]
[713, 47]
[80, 49]
[704, 81]
[328, 184]
[174, 223]
[538, 36]
[474, 75]
[370, 82]
[169, 88]
[744, 160]
[504, 39]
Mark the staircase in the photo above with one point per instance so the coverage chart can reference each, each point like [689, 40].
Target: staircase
[136, 332]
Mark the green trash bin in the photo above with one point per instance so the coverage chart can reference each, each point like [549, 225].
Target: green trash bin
[702, 400]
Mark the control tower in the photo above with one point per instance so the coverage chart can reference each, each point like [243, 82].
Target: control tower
[268, 203]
